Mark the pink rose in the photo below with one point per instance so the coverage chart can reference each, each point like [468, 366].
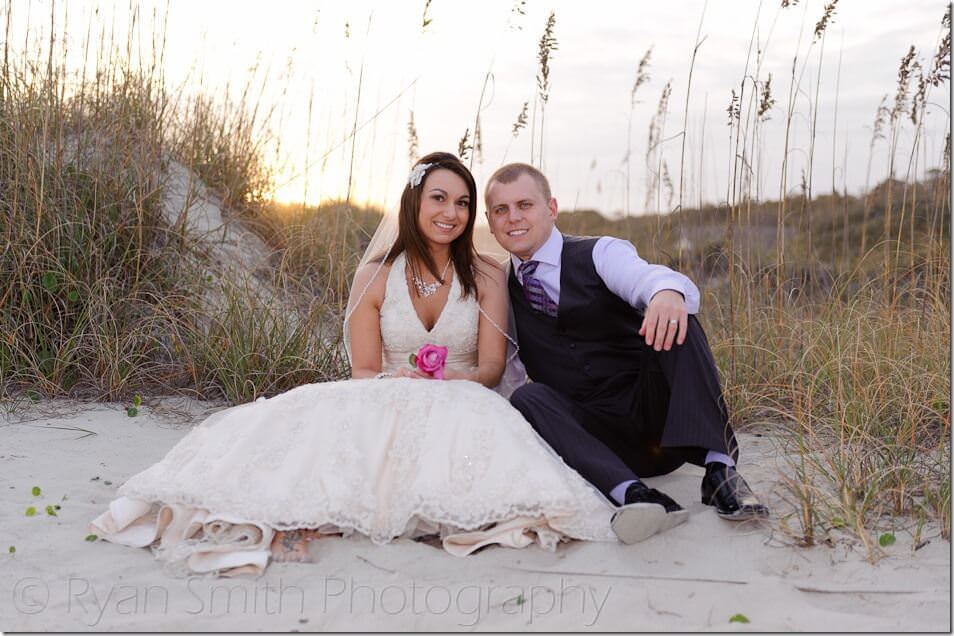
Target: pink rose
[430, 359]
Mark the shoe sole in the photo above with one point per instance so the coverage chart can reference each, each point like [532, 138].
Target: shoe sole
[637, 522]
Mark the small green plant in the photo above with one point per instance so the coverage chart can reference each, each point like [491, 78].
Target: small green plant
[31, 511]
[36, 491]
[886, 539]
[49, 281]
[51, 511]
[91, 537]
[739, 618]
[11, 549]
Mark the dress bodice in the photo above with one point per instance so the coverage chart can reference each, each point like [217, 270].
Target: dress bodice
[402, 332]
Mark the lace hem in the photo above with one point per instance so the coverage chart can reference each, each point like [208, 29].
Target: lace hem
[192, 539]
[559, 513]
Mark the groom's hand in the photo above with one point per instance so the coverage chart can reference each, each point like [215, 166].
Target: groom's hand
[665, 318]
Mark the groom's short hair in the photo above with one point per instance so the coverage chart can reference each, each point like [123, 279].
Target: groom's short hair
[512, 171]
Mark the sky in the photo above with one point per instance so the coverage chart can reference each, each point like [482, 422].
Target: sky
[364, 66]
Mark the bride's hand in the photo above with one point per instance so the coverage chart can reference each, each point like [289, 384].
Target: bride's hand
[453, 374]
[403, 372]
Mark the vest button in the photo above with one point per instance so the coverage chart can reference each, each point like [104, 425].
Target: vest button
[572, 345]
[586, 368]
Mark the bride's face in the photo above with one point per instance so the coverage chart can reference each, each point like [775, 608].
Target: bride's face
[445, 207]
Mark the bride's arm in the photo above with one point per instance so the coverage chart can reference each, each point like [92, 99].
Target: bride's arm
[364, 324]
[491, 344]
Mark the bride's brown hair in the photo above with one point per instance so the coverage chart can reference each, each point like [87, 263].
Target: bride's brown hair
[409, 237]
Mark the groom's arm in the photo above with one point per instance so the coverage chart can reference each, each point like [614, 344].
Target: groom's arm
[636, 281]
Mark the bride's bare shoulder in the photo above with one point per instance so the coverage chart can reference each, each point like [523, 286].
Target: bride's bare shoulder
[372, 276]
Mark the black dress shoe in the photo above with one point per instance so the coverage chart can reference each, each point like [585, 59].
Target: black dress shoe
[638, 492]
[724, 488]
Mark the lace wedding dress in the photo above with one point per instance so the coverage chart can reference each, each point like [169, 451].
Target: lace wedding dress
[387, 458]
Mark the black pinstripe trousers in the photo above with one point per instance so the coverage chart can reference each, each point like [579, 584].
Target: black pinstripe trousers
[644, 423]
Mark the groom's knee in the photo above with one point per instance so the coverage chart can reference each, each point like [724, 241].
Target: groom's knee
[695, 336]
[525, 396]
[532, 400]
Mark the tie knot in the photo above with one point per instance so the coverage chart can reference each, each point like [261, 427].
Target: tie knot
[527, 268]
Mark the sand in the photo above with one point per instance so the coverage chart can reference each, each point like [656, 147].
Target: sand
[694, 577]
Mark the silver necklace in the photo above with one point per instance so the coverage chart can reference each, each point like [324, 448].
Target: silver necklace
[429, 289]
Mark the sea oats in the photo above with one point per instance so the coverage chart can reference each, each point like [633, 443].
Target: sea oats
[412, 141]
[667, 183]
[920, 95]
[521, 122]
[766, 101]
[642, 75]
[827, 17]
[519, 9]
[548, 44]
[941, 68]
[478, 140]
[734, 109]
[425, 21]
[904, 76]
[464, 146]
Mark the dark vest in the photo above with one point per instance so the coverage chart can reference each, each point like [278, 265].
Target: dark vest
[594, 338]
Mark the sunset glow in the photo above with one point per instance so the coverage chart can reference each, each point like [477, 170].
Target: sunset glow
[319, 71]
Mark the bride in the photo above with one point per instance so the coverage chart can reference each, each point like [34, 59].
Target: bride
[392, 453]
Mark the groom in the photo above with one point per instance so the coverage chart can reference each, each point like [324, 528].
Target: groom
[624, 384]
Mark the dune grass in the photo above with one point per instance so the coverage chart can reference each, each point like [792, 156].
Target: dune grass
[104, 292]
[857, 375]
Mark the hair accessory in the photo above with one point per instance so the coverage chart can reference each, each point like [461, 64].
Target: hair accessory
[417, 174]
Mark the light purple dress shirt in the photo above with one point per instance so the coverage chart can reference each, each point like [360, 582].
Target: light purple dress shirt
[623, 271]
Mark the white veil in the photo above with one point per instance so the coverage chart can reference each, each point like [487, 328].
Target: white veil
[486, 245]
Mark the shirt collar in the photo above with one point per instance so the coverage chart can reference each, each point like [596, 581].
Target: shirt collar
[550, 252]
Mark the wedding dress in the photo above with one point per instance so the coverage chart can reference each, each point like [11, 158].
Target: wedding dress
[388, 458]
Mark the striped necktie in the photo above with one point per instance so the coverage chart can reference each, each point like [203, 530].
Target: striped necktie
[533, 289]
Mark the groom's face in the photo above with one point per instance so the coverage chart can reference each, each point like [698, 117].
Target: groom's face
[520, 218]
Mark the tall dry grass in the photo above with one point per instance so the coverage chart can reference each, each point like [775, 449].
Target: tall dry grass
[104, 292]
[829, 314]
